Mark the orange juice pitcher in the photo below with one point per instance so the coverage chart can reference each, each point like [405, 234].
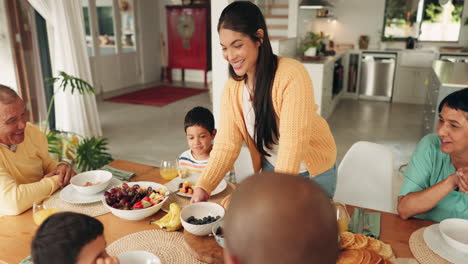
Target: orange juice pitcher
[342, 217]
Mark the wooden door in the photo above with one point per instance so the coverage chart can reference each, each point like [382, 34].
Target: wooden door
[21, 23]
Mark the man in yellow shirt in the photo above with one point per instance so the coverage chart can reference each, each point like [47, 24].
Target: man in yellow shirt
[27, 172]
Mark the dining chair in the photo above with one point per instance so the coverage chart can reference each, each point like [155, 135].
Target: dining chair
[365, 177]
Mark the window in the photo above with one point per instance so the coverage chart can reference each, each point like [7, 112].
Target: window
[88, 35]
[105, 17]
[426, 20]
[128, 25]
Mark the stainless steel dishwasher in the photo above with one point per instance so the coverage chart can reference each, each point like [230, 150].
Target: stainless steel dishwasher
[377, 76]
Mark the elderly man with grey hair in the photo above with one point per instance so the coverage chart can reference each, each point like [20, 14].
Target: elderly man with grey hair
[27, 172]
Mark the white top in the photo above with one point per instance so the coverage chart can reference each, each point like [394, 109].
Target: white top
[249, 117]
[196, 167]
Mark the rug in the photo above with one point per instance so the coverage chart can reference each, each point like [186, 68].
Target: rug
[156, 96]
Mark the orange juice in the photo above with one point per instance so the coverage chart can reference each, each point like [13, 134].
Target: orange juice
[343, 225]
[42, 215]
[168, 173]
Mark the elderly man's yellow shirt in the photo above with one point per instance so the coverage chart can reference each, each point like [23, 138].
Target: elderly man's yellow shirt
[21, 173]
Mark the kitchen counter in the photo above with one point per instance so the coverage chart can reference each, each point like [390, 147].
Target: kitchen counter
[325, 59]
[451, 74]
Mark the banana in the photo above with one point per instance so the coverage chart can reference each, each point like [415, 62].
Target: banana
[171, 221]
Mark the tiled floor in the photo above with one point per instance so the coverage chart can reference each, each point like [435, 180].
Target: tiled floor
[148, 134]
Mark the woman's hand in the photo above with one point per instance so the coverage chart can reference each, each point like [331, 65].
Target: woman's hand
[462, 176]
[199, 195]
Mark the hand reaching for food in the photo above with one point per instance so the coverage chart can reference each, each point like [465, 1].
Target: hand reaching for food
[199, 195]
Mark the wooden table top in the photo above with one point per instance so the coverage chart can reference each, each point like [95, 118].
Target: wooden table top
[16, 232]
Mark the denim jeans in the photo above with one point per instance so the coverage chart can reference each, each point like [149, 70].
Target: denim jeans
[326, 179]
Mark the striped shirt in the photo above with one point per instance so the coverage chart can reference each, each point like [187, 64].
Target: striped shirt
[196, 167]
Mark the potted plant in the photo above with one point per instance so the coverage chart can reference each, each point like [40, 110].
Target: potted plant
[84, 153]
[363, 42]
[311, 43]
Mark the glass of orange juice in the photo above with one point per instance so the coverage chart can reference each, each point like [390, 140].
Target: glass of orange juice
[41, 211]
[342, 216]
[168, 169]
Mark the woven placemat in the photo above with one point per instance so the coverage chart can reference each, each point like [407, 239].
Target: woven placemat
[184, 201]
[421, 251]
[168, 246]
[91, 209]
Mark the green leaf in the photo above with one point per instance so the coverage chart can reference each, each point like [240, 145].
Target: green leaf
[92, 153]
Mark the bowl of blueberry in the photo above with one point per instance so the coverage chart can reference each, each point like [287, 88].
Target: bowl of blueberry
[199, 218]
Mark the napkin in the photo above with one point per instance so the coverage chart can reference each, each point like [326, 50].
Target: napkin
[120, 175]
[365, 222]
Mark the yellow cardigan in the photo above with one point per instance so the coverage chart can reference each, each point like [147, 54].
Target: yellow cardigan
[304, 135]
[21, 173]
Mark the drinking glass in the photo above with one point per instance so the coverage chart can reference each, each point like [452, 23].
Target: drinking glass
[342, 216]
[42, 211]
[168, 169]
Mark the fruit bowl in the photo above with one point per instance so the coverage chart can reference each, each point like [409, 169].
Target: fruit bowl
[91, 182]
[455, 231]
[137, 214]
[200, 211]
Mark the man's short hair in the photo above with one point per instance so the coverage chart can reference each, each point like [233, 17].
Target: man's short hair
[7, 95]
[281, 218]
[199, 116]
[61, 237]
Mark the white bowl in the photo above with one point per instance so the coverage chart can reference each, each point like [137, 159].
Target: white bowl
[137, 214]
[138, 257]
[219, 239]
[200, 210]
[101, 176]
[455, 233]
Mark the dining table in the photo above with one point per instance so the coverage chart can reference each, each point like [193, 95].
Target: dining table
[16, 232]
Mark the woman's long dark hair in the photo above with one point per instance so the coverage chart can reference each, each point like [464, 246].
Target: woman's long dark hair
[245, 17]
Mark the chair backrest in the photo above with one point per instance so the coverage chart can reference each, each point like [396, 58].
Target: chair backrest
[365, 177]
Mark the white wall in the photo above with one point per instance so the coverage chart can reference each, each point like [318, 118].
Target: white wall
[219, 65]
[150, 55]
[7, 71]
[360, 17]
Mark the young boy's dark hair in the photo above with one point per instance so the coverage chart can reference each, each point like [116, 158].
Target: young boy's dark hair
[61, 237]
[199, 116]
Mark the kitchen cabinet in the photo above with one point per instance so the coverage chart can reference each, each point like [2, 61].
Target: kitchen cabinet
[410, 85]
[413, 71]
[321, 73]
[444, 79]
[189, 39]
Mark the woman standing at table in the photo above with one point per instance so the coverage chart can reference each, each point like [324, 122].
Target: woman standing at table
[436, 180]
[268, 103]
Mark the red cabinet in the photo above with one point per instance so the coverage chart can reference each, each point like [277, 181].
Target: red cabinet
[189, 39]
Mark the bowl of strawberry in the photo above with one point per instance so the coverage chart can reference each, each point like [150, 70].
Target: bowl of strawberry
[135, 200]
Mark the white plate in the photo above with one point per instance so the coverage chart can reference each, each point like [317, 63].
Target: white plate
[138, 257]
[70, 195]
[174, 184]
[437, 243]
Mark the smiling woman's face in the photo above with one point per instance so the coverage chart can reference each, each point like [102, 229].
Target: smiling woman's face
[240, 51]
[452, 129]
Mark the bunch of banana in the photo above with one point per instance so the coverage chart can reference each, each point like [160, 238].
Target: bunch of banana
[171, 221]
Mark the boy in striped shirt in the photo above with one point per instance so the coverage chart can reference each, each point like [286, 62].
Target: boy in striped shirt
[200, 132]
